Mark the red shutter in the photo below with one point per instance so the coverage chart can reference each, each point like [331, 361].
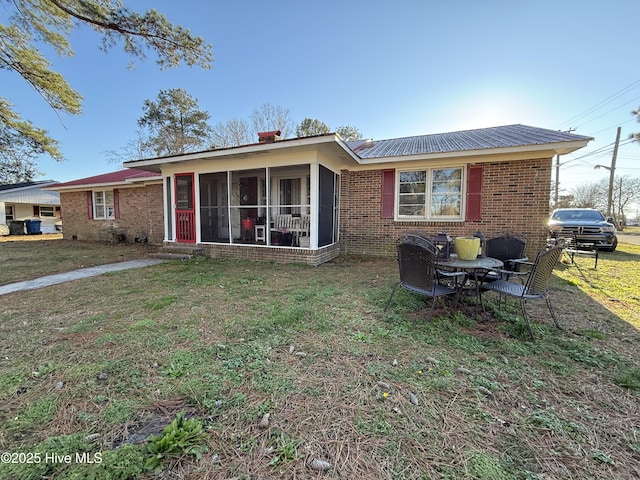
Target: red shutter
[388, 194]
[474, 193]
[36, 210]
[116, 203]
[89, 205]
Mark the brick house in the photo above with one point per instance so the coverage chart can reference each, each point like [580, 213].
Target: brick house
[122, 206]
[309, 199]
[28, 201]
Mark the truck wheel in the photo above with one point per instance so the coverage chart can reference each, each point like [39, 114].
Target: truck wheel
[613, 246]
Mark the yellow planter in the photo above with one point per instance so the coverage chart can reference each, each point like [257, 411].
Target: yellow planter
[467, 248]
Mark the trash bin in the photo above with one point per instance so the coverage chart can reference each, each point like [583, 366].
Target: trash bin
[16, 227]
[33, 226]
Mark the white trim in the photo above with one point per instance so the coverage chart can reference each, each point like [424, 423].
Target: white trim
[429, 194]
[105, 205]
[128, 183]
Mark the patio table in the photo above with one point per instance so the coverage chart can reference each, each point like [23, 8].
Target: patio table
[471, 269]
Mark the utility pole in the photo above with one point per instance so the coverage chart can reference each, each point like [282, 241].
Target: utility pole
[612, 172]
[555, 199]
[556, 196]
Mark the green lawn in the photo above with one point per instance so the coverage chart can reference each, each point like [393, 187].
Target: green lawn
[91, 365]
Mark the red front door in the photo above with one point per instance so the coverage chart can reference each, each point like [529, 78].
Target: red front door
[185, 209]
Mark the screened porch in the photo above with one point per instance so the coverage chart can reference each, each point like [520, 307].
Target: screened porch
[290, 206]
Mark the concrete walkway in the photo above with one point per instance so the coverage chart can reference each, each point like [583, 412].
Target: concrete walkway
[77, 274]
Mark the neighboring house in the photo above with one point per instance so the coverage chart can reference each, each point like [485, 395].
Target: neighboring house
[308, 199]
[122, 206]
[29, 201]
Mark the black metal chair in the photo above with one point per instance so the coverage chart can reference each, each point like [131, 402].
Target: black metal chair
[509, 248]
[416, 261]
[417, 238]
[536, 287]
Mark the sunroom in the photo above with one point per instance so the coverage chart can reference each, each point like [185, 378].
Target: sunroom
[246, 201]
[270, 206]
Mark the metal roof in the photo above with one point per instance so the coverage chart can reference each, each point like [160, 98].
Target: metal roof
[508, 136]
[30, 192]
[514, 139]
[15, 186]
[120, 176]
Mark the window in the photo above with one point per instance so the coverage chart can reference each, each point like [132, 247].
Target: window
[430, 194]
[47, 211]
[290, 195]
[103, 204]
[9, 213]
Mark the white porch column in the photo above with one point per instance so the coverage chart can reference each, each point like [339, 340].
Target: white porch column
[315, 194]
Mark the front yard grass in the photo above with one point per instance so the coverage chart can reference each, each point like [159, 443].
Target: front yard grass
[286, 371]
[25, 257]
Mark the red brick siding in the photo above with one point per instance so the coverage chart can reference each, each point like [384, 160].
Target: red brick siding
[140, 210]
[515, 198]
[274, 254]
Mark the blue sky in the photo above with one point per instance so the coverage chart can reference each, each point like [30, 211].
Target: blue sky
[392, 69]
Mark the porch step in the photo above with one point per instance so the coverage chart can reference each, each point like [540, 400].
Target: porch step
[178, 252]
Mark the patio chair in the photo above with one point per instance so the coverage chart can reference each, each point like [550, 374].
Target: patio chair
[300, 228]
[509, 248]
[536, 287]
[416, 261]
[281, 223]
[417, 238]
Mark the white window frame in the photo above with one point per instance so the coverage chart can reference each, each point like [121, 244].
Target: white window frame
[428, 216]
[103, 209]
[12, 215]
[47, 211]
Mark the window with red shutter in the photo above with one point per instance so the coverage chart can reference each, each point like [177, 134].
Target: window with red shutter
[116, 203]
[388, 193]
[89, 205]
[474, 193]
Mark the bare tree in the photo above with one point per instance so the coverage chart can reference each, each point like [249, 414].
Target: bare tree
[625, 192]
[135, 149]
[232, 133]
[589, 195]
[270, 117]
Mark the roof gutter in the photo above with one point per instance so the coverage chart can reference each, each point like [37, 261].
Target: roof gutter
[85, 186]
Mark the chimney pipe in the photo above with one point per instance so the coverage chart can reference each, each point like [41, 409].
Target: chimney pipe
[269, 137]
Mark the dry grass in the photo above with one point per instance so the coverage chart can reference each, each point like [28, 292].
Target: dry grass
[25, 257]
[213, 338]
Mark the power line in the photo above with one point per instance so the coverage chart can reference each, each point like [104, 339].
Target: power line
[601, 104]
[613, 126]
[601, 150]
[609, 111]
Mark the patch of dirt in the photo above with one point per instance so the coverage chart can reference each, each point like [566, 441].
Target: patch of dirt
[29, 238]
[153, 420]
[485, 329]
